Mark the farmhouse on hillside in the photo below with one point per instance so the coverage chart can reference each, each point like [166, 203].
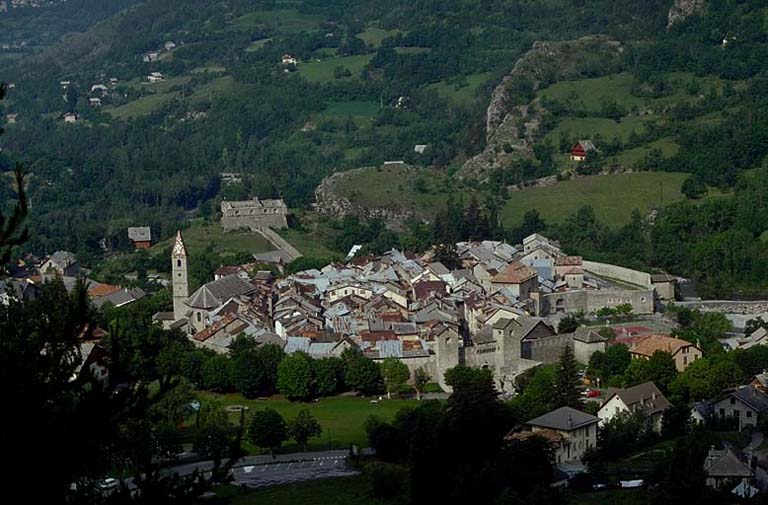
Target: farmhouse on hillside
[581, 149]
[141, 236]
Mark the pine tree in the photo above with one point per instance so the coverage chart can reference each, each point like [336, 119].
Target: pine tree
[566, 392]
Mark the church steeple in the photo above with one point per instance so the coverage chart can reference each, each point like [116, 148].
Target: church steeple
[180, 280]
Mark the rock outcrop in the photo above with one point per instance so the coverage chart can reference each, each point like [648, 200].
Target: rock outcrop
[329, 202]
[681, 9]
[511, 123]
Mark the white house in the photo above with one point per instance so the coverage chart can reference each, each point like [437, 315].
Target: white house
[644, 399]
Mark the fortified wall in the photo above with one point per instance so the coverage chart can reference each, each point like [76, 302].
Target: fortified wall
[254, 214]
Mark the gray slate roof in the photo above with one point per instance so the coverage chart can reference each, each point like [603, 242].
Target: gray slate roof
[214, 294]
[644, 398]
[750, 396]
[564, 419]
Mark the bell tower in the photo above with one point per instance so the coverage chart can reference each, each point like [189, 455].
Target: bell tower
[180, 279]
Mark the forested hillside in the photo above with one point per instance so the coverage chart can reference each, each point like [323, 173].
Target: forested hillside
[373, 79]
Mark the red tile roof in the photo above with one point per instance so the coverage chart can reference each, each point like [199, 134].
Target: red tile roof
[514, 273]
[652, 343]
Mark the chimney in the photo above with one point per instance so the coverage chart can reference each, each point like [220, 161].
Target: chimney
[570, 420]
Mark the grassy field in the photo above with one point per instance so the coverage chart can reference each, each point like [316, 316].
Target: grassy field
[613, 197]
[374, 36]
[322, 71]
[335, 491]
[589, 127]
[591, 93]
[281, 20]
[162, 94]
[199, 236]
[313, 239]
[461, 93]
[257, 44]
[343, 418]
[358, 108]
[632, 156]
[396, 186]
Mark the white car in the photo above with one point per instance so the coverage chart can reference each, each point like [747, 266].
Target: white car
[107, 484]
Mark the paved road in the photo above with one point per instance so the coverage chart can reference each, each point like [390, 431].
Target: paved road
[279, 242]
[261, 471]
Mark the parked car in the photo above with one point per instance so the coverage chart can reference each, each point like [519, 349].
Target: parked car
[107, 484]
[590, 393]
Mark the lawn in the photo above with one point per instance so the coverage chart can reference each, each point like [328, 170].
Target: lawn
[285, 21]
[342, 417]
[200, 235]
[335, 491]
[322, 71]
[613, 197]
[462, 91]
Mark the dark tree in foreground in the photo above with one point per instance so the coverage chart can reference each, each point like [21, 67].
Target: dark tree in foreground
[567, 381]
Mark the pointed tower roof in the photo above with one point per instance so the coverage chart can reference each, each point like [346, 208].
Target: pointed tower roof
[179, 249]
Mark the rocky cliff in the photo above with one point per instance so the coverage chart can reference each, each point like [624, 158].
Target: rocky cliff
[512, 123]
[681, 9]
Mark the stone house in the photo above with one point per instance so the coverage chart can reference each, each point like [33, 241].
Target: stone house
[664, 284]
[62, 264]
[728, 467]
[644, 399]
[520, 279]
[578, 430]
[683, 352]
[586, 342]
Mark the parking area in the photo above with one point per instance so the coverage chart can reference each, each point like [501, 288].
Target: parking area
[277, 473]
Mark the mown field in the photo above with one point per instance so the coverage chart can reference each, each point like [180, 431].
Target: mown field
[613, 197]
[323, 70]
[342, 417]
[279, 20]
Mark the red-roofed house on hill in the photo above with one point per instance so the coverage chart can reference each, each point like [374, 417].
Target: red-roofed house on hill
[581, 150]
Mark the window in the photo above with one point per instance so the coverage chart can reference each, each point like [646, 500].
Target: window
[685, 360]
[733, 401]
[722, 412]
[736, 412]
[199, 317]
[178, 263]
[749, 413]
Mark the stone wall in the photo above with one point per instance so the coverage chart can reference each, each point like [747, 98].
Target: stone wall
[642, 300]
[621, 274]
[547, 349]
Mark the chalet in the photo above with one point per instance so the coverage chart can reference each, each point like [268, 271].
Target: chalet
[141, 236]
[289, 59]
[683, 352]
[94, 102]
[155, 77]
[726, 467]
[11, 118]
[644, 399]
[151, 56]
[581, 150]
[71, 117]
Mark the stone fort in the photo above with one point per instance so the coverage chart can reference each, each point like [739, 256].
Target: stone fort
[254, 214]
